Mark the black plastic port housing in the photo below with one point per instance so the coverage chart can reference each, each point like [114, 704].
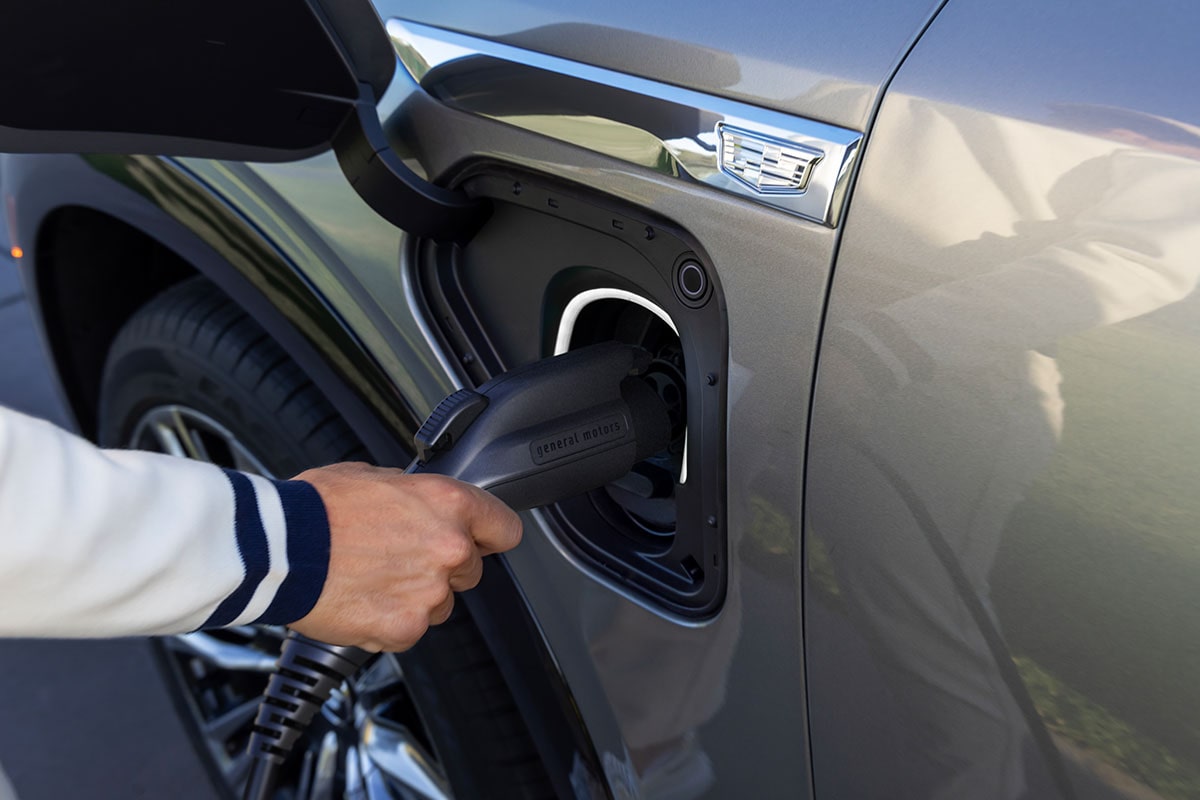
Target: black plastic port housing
[558, 268]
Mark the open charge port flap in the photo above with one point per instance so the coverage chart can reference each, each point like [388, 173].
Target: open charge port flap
[555, 270]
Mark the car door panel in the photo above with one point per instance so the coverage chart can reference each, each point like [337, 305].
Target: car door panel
[997, 525]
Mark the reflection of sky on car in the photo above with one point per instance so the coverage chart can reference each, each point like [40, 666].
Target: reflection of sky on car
[1053, 34]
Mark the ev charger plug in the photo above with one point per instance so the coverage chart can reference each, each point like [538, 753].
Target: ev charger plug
[532, 436]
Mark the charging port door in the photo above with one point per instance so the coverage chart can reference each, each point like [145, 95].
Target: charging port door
[554, 270]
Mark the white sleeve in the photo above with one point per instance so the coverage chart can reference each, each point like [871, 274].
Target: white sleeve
[100, 543]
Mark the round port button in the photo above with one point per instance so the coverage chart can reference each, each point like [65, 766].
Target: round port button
[693, 282]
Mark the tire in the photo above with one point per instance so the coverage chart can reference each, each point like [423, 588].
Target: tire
[199, 368]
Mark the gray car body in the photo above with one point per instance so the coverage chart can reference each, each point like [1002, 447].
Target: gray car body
[961, 440]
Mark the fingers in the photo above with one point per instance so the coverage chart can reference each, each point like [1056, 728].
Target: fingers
[400, 546]
[495, 527]
[469, 574]
[441, 612]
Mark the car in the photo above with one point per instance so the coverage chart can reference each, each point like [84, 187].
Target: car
[917, 281]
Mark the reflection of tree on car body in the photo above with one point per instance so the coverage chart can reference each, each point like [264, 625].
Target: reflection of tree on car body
[943, 393]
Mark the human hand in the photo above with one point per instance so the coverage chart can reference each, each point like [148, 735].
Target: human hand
[400, 546]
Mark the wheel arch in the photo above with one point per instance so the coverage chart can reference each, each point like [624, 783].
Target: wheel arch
[93, 272]
[128, 228]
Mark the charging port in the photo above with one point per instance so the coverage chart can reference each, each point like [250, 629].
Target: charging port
[551, 271]
[644, 502]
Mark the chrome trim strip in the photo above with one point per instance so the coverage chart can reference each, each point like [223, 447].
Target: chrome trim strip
[645, 133]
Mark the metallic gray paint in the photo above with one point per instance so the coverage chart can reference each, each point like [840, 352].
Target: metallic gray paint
[1002, 507]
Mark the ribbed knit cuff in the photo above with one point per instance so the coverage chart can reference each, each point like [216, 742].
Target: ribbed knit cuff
[307, 553]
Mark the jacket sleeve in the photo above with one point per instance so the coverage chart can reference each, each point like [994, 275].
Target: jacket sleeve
[97, 543]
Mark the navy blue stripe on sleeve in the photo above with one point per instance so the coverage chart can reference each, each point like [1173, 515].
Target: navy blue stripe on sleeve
[307, 551]
[252, 545]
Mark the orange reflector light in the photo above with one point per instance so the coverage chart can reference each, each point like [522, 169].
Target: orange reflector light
[17, 252]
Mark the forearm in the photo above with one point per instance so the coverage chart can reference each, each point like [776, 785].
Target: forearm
[108, 543]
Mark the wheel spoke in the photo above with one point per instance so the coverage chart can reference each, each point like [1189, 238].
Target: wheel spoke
[353, 789]
[396, 753]
[232, 721]
[181, 431]
[244, 462]
[376, 787]
[251, 631]
[377, 681]
[190, 437]
[168, 440]
[318, 779]
[373, 784]
[236, 770]
[221, 654]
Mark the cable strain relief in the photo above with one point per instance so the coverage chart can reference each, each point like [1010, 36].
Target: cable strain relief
[306, 675]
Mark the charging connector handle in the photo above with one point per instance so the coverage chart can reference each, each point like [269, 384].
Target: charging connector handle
[551, 430]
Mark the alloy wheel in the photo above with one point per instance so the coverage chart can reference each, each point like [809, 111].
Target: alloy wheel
[368, 742]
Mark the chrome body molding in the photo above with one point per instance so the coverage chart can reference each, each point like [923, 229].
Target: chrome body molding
[793, 164]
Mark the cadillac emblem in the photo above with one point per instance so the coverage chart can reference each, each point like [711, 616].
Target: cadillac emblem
[764, 163]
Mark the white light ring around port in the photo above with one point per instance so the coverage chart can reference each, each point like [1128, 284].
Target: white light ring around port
[566, 329]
